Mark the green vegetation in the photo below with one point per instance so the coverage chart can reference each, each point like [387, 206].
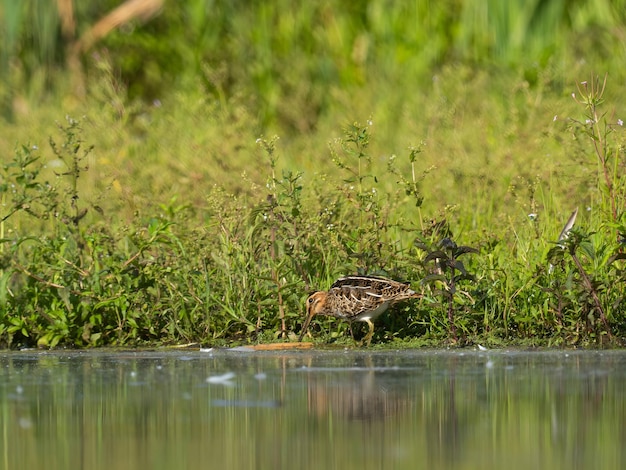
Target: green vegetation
[156, 207]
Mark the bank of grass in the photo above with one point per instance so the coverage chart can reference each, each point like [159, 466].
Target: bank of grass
[184, 224]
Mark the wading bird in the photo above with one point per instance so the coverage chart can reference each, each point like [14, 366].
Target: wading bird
[357, 298]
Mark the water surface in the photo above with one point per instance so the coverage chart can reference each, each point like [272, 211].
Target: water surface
[342, 409]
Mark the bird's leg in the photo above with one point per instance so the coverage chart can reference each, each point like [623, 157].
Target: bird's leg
[368, 337]
[351, 332]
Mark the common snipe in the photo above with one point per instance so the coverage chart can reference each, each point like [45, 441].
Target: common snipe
[357, 298]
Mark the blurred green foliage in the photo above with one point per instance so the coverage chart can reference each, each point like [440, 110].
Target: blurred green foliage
[165, 214]
[290, 56]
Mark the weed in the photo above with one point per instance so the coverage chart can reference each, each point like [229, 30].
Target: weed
[597, 128]
[586, 288]
[445, 278]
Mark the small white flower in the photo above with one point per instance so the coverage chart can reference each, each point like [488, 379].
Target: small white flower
[370, 122]
[620, 122]
[532, 216]
[555, 118]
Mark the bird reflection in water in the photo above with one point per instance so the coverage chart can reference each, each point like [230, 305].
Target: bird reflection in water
[361, 392]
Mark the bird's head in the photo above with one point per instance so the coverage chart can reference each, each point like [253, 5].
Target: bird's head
[314, 305]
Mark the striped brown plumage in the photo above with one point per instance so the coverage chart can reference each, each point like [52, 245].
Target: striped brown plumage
[357, 298]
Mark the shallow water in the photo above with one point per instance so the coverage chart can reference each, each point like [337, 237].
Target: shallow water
[342, 409]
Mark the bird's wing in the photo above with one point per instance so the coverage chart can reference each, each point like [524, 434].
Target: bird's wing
[353, 300]
[374, 282]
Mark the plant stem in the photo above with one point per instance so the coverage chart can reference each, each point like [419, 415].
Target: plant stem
[593, 293]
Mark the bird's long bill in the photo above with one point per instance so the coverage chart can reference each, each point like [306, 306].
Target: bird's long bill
[309, 317]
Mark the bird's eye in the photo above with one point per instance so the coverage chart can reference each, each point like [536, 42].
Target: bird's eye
[311, 299]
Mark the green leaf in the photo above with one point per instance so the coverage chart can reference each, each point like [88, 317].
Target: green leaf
[461, 250]
[438, 254]
[588, 249]
[459, 266]
[616, 257]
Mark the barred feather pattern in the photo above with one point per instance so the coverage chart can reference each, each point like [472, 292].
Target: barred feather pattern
[357, 298]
